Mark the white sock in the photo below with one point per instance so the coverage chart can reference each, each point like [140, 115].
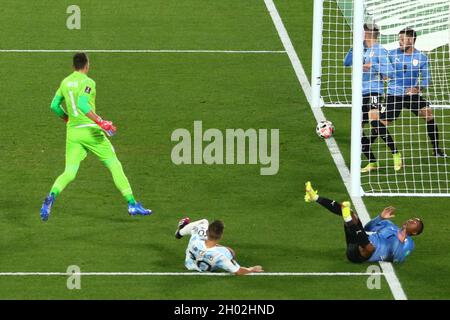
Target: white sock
[188, 228]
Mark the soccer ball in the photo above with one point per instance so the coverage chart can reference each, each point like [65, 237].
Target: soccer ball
[325, 129]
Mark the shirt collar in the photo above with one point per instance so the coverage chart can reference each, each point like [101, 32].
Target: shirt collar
[80, 73]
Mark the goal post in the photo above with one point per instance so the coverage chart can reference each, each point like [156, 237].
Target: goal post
[357, 100]
[420, 131]
[316, 76]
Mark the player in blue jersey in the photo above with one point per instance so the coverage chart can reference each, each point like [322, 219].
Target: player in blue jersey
[204, 253]
[376, 70]
[386, 241]
[412, 77]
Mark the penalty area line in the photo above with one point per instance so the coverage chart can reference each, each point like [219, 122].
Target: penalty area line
[141, 51]
[195, 274]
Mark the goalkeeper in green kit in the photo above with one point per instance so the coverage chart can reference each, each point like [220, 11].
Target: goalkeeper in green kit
[86, 133]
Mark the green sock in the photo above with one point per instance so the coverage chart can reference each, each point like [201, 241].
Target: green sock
[130, 199]
[54, 192]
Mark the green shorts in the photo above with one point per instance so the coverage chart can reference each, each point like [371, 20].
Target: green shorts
[91, 138]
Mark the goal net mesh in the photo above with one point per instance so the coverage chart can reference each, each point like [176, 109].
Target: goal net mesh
[422, 173]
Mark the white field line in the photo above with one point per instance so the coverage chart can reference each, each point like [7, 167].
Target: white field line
[388, 270]
[141, 51]
[195, 274]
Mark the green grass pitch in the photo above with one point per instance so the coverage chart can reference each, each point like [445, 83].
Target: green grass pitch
[148, 96]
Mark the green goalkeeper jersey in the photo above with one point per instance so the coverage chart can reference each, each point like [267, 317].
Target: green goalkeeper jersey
[78, 91]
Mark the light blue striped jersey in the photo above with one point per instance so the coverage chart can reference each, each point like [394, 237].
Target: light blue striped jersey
[203, 259]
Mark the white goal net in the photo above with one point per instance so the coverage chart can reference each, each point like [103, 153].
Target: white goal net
[410, 117]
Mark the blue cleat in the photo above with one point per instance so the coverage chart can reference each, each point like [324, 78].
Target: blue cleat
[138, 209]
[47, 207]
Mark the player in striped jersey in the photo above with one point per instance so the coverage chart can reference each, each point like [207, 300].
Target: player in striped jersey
[204, 253]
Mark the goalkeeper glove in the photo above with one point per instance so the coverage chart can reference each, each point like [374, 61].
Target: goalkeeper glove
[106, 126]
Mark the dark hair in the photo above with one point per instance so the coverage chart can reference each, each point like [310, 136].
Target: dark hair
[80, 60]
[373, 28]
[421, 226]
[215, 230]
[409, 32]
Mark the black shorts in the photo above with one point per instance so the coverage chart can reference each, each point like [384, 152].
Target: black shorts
[370, 102]
[353, 254]
[387, 111]
[414, 103]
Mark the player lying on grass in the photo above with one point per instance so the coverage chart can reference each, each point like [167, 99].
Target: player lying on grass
[387, 242]
[86, 133]
[204, 253]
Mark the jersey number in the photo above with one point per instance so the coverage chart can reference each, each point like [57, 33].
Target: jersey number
[74, 106]
[202, 233]
[203, 265]
[373, 100]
